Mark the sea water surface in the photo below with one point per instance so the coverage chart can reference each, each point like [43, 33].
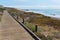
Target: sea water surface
[48, 12]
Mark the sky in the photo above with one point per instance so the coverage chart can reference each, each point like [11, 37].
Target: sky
[35, 4]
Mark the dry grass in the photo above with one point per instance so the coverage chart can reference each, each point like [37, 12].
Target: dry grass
[0, 17]
[48, 28]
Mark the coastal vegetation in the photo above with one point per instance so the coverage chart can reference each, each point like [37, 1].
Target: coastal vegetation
[1, 9]
[48, 28]
[1, 12]
[0, 17]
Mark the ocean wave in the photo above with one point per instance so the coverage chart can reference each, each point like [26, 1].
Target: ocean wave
[47, 13]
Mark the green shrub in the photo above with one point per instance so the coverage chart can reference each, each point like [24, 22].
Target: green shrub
[30, 26]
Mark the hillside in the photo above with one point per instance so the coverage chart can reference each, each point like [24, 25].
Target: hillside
[48, 28]
[36, 18]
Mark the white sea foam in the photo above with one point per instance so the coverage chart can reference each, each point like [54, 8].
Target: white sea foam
[55, 15]
[50, 15]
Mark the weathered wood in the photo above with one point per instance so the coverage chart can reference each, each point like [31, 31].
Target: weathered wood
[36, 28]
[23, 21]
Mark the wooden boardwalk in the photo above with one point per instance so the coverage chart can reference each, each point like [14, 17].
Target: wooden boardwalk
[11, 30]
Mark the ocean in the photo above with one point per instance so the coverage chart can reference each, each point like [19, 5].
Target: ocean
[47, 12]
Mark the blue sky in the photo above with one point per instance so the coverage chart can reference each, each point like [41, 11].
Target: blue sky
[31, 3]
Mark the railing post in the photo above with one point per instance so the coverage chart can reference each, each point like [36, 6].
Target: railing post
[36, 28]
[23, 21]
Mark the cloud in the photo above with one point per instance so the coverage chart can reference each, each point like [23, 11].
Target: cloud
[36, 6]
[22, 0]
[56, 1]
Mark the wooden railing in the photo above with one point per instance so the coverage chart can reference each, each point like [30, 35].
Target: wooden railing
[27, 29]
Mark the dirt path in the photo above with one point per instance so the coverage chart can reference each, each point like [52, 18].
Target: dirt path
[11, 30]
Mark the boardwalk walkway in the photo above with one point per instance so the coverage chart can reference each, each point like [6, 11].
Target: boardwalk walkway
[11, 30]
